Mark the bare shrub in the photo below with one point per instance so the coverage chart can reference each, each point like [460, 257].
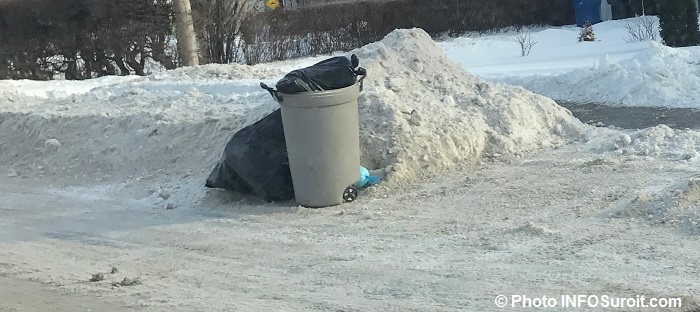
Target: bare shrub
[281, 35]
[524, 39]
[642, 29]
[219, 24]
[325, 29]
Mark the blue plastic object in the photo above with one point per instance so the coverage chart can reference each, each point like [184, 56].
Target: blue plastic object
[587, 10]
[365, 178]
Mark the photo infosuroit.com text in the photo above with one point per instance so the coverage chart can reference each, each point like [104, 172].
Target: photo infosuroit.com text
[587, 301]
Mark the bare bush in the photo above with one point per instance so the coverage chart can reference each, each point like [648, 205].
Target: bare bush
[325, 29]
[220, 24]
[642, 29]
[524, 39]
[272, 36]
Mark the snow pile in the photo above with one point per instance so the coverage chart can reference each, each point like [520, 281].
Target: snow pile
[171, 124]
[682, 206]
[663, 203]
[420, 113]
[187, 95]
[660, 76]
[659, 141]
[686, 207]
[8, 95]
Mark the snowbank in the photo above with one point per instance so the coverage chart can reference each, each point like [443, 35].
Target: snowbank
[659, 77]
[59, 88]
[556, 51]
[421, 115]
[659, 141]
[609, 71]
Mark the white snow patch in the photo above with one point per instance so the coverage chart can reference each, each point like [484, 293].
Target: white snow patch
[608, 71]
[659, 77]
[60, 88]
[52, 143]
[659, 141]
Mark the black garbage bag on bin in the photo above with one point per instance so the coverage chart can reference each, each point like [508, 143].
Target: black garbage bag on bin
[255, 162]
[330, 74]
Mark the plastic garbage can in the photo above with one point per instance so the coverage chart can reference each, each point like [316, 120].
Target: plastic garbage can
[323, 144]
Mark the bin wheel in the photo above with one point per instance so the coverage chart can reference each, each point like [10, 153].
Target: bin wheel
[350, 194]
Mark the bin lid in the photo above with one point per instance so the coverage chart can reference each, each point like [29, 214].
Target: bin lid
[321, 98]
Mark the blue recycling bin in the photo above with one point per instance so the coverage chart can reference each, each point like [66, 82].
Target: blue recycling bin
[587, 10]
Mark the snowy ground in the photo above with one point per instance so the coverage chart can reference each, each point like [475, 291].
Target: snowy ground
[562, 222]
[490, 190]
[609, 71]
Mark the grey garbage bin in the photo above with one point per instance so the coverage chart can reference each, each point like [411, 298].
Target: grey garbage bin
[322, 134]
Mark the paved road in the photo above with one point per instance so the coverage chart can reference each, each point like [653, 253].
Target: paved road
[18, 295]
[24, 296]
[635, 117]
[27, 214]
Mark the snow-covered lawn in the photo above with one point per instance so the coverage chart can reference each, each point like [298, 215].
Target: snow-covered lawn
[493, 190]
[609, 71]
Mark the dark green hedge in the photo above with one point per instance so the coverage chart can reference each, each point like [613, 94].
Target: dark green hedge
[678, 21]
[82, 38]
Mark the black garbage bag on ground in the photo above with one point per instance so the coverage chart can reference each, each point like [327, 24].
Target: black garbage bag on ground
[255, 162]
[330, 74]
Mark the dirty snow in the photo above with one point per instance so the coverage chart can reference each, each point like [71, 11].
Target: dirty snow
[659, 141]
[179, 125]
[560, 222]
[422, 115]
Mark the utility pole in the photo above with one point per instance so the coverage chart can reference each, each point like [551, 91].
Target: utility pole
[186, 38]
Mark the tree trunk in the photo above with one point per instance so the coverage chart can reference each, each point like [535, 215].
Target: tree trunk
[186, 38]
[119, 60]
